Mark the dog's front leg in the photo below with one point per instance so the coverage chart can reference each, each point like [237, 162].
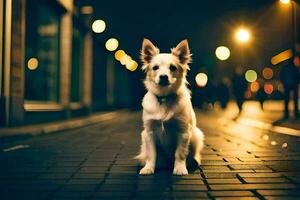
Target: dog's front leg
[150, 153]
[181, 153]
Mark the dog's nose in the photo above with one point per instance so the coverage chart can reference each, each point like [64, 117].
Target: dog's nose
[163, 80]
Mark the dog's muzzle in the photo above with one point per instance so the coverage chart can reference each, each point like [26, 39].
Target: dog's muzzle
[163, 80]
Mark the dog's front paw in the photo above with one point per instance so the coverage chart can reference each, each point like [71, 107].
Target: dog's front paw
[180, 170]
[147, 170]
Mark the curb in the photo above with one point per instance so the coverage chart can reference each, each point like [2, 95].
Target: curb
[42, 129]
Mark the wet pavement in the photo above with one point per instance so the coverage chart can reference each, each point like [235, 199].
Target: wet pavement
[240, 161]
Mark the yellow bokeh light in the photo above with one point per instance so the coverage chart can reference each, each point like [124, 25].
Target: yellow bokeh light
[125, 59]
[32, 64]
[243, 35]
[251, 76]
[274, 143]
[86, 10]
[131, 65]
[267, 73]
[98, 26]
[222, 53]
[201, 79]
[119, 54]
[285, 1]
[111, 44]
[285, 55]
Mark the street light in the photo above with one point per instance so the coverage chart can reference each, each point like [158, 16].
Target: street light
[242, 35]
[285, 1]
[294, 22]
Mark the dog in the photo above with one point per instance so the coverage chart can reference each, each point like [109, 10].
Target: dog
[168, 117]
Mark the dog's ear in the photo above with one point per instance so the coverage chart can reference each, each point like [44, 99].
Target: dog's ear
[148, 51]
[182, 51]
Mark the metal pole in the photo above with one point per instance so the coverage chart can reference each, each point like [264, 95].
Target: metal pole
[294, 27]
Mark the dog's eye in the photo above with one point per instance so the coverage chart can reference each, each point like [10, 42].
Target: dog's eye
[155, 68]
[173, 68]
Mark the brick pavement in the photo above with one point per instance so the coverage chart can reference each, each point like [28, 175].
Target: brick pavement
[95, 163]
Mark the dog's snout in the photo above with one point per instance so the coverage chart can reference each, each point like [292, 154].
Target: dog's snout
[163, 80]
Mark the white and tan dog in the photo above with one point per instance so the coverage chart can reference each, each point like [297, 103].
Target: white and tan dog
[169, 119]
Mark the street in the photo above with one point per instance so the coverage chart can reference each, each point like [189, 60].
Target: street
[95, 162]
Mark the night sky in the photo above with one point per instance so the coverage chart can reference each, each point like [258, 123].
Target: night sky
[206, 24]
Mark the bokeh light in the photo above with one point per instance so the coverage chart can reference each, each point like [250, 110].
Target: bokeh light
[131, 65]
[125, 59]
[251, 75]
[86, 10]
[222, 53]
[119, 54]
[268, 88]
[267, 73]
[285, 1]
[201, 79]
[32, 63]
[111, 44]
[284, 145]
[280, 87]
[98, 26]
[265, 137]
[287, 54]
[242, 35]
[296, 61]
[273, 142]
[254, 87]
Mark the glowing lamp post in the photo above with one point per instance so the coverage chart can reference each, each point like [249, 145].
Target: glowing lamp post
[294, 23]
[285, 1]
[242, 35]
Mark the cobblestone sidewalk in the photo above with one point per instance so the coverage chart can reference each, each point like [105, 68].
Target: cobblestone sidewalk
[95, 162]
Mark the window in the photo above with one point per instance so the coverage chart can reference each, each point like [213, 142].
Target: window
[77, 61]
[42, 51]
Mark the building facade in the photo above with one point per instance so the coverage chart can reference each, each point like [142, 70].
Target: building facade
[45, 55]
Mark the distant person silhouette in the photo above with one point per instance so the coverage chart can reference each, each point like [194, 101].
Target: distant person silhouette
[239, 87]
[223, 92]
[261, 95]
[289, 76]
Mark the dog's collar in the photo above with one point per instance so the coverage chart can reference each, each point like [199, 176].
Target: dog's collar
[167, 98]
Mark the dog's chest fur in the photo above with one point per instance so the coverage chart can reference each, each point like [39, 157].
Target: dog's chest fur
[164, 121]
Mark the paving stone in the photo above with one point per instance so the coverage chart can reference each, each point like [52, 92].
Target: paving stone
[236, 198]
[252, 186]
[266, 180]
[188, 182]
[279, 192]
[189, 188]
[280, 198]
[222, 181]
[218, 175]
[89, 175]
[231, 193]
[190, 194]
[238, 167]
[262, 175]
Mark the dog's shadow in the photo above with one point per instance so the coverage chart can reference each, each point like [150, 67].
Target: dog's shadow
[160, 184]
